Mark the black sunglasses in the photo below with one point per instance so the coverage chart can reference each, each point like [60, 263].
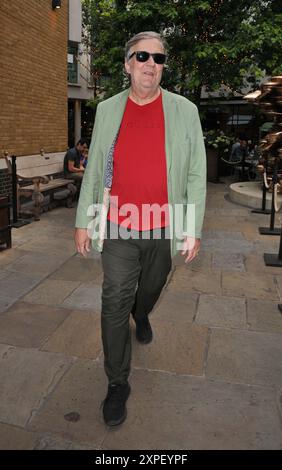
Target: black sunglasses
[143, 56]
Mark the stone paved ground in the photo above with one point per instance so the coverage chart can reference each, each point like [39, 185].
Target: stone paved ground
[212, 378]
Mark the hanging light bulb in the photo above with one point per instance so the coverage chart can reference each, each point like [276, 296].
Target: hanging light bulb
[56, 4]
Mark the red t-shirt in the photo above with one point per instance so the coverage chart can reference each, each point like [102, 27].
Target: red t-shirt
[140, 175]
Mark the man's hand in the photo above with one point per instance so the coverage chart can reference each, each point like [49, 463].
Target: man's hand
[191, 247]
[82, 241]
[73, 169]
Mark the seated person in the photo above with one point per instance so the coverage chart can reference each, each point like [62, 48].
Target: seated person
[73, 167]
[239, 153]
[84, 158]
[239, 150]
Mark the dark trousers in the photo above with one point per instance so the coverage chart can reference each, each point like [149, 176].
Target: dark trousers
[135, 271]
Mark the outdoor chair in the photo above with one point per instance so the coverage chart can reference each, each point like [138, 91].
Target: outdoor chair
[236, 166]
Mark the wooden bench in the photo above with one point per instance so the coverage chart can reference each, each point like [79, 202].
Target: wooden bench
[41, 175]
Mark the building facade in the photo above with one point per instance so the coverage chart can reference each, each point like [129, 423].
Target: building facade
[33, 78]
[80, 90]
[33, 71]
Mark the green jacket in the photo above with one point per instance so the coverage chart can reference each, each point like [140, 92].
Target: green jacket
[186, 164]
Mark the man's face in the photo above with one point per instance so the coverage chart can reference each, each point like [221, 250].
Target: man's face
[82, 148]
[145, 75]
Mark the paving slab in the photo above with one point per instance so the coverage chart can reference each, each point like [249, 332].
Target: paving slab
[245, 357]
[19, 238]
[86, 297]
[211, 380]
[264, 316]
[5, 303]
[251, 232]
[278, 280]
[237, 211]
[49, 229]
[9, 256]
[14, 438]
[29, 325]
[81, 391]
[4, 273]
[93, 254]
[59, 216]
[250, 285]
[78, 269]
[215, 188]
[176, 347]
[27, 378]
[269, 245]
[176, 307]
[166, 411]
[216, 200]
[279, 400]
[52, 442]
[15, 284]
[79, 335]
[228, 245]
[213, 222]
[222, 235]
[225, 312]
[188, 280]
[46, 245]
[255, 264]
[201, 263]
[51, 292]
[228, 262]
[247, 226]
[38, 263]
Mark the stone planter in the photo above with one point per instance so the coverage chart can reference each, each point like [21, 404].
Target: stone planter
[215, 166]
[212, 165]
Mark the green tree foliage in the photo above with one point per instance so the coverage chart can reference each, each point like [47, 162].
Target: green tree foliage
[211, 42]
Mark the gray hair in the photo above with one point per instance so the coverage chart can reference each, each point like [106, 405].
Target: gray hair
[144, 35]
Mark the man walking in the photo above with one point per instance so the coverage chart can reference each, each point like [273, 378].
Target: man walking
[146, 159]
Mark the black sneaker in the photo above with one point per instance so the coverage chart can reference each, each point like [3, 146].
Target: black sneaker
[114, 409]
[144, 333]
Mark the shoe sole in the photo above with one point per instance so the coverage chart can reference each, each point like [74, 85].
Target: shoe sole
[144, 341]
[111, 424]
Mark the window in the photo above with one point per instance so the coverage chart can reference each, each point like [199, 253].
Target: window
[72, 62]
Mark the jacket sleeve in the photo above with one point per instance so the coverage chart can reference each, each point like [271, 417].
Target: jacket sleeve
[196, 184]
[89, 192]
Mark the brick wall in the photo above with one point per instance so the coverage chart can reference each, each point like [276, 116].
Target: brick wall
[33, 76]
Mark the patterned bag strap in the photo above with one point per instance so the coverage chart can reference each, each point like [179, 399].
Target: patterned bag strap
[110, 164]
